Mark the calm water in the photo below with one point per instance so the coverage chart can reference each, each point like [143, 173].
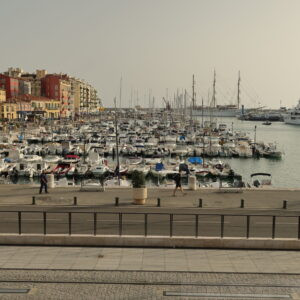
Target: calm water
[285, 172]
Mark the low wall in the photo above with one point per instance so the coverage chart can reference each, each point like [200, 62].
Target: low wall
[151, 241]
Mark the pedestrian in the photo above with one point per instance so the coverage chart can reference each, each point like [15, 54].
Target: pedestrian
[177, 179]
[44, 182]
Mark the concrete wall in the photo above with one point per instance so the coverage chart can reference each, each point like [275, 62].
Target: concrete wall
[153, 241]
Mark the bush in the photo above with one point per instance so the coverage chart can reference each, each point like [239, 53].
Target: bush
[138, 179]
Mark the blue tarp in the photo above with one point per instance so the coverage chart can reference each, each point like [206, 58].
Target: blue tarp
[182, 138]
[7, 159]
[159, 167]
[195, 160]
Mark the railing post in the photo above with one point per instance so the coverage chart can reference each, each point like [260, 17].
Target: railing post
[196, 225]
[242, 203]
[75, 200]
[117, 201]
[158, 202]
[20, 222]
[70, 223]
[171, 225]
[273, 226]
[120, 224]
[95, 223]
[146, 224]
[200, 203]
[248, 227]
[33, 200]
[45, 222]
[222, 226]
[284, 206]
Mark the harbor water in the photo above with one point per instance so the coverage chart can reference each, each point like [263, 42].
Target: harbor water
[285, 172]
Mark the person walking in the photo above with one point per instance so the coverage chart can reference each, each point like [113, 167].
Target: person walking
[44, 182]
[177, 179]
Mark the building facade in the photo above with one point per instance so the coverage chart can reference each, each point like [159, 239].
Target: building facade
[2, 95]
[49, 108]
[58, 86]
[8, 110]
[75, 96]
[10, 85]
[24, 86]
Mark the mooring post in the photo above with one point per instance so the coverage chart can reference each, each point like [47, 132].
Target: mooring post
[117, 201]
[158, 202]
[75, 200]
[284, 204]
[242, 203]
[200, 202]
[33, 200]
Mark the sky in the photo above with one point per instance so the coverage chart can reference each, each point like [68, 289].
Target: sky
[152, 48]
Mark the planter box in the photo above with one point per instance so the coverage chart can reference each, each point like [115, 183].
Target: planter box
[139, 195]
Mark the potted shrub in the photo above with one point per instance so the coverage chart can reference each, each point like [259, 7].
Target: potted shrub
[139, 187]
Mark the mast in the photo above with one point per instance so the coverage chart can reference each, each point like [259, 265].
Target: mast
[239, 91]
[117, 140]
[214, 91]
[193, 89]
[202, 115]
[120, 93]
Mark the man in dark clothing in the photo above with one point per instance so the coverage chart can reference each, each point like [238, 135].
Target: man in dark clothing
[177, 179]
[44, 183]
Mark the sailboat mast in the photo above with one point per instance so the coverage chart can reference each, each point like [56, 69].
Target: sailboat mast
[214, 91]
[239, 91]
[120, 103]
[117, 140]
[193, 90]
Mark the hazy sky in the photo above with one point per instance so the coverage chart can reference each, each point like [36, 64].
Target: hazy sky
[157, 45]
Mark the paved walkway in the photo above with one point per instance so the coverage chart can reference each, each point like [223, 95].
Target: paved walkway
[138, 259]
[212, 198]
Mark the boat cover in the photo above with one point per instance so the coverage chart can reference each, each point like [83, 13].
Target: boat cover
[195, 160]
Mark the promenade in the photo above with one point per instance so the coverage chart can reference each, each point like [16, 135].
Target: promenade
[58, 272]
[212, 198]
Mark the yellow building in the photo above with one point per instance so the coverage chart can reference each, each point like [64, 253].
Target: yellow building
[2, 95]
[8, 110]
[49, 107]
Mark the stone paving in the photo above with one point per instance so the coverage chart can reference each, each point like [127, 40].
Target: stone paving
[92, 284]
[138, 259]
[254, 198]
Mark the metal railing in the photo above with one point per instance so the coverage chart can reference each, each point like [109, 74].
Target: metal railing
[194, 218]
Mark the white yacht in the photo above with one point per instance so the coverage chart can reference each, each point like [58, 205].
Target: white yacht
[293, 115]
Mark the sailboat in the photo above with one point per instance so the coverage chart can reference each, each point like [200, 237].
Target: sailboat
[231, 110]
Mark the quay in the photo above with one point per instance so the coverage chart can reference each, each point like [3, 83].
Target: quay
[146, 272]
[206, 218]
[268, 198]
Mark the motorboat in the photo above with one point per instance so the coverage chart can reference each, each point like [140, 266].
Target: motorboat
[292, 116]
[261, 180]
[116, 182]
[267, 123]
